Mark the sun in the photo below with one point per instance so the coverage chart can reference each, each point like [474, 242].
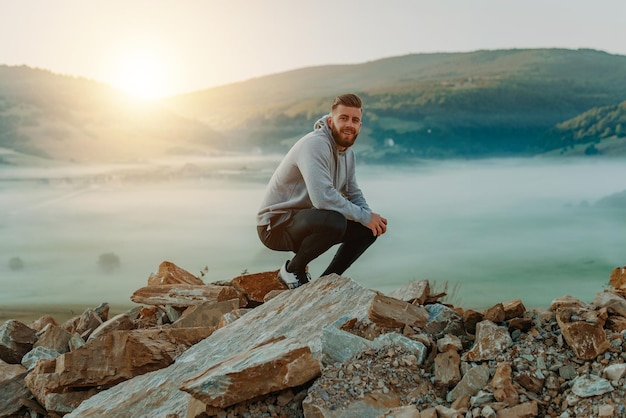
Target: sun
[142, 74]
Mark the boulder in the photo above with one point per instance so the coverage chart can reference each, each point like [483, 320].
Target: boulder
[16, 339]
[299, 315]
[256, 286]
[12, 388]
[586, 338]
[180, 295]
[415, 292]
[268, 367]
[491, 340]
[110, 359]
[394, 313]
[170, 273]
[207, 314]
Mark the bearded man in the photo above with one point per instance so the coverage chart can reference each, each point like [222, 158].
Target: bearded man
[313, 201]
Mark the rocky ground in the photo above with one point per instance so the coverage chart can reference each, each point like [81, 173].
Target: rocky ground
[541, 354]
[409, 356]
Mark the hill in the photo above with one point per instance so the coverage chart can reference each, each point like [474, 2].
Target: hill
[477, 104]
[66, 118]
[599, 131]
[518, 102]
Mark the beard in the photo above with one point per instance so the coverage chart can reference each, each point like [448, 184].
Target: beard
[344, 137]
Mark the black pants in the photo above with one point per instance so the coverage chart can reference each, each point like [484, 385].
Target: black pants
[311, 232]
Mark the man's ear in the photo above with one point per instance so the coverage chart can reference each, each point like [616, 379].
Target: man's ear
[329, 120]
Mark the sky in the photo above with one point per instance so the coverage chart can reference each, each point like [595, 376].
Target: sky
[154, 48]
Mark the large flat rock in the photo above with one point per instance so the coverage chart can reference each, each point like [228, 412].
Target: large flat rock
[299, 314]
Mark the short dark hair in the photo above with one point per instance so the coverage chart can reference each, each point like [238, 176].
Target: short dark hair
[349, 100]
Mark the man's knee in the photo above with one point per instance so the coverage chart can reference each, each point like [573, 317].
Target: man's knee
[335, 222]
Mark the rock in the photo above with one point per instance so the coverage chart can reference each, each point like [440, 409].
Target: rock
[121, 322]
[232, 316]
[568, 302]
[474, 380]
[408, 411]
[110, 359]
[39, 324]
[298, 314]
[207, 314]
[88, 322]
[429, 413]
[55, 338]
[170, 273]
[481, 398]
[12, 388]
[16, 339]
[256, 286]
[417, 348]
[447, 369]
[442, 320]
[587, 340]
[614, 303]
[615, 372]
[340, 346]
[393, 313]
[502, 384]
[33, 356]
[513, 309]
[462, 403]
[373, 405]
[180, 295]
[370, 371]
[415, 292]
[590, 385]
[495, 314]
[531, 382]
[75, 342]
[470, 319]
[617, 279]
[522, 324]
[268, 367]
[567, 372]
[449, 342]
[616, 323]
[606, 411]
[445, 412]
[524, 410]
[491, 340]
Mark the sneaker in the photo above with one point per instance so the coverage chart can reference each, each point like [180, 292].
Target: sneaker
[292, 280]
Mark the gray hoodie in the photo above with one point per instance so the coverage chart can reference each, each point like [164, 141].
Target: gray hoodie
[314, 174]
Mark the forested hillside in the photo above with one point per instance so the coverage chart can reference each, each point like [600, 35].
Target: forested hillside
[484, 103]
[601, 130]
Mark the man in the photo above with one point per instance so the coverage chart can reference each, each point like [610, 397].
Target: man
[313, 201]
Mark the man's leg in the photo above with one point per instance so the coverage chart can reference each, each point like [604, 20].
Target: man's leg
[313, 232]
[355, 241]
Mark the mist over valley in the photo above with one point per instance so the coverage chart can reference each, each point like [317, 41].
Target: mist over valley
[491, 230]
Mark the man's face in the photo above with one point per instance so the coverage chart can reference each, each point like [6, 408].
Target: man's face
[345, 124]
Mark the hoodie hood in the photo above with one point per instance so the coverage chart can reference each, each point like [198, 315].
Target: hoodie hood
[322, 125]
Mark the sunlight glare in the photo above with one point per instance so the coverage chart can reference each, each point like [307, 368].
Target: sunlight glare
[142, 74]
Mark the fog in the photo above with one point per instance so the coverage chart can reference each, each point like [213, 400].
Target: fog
[490, 230]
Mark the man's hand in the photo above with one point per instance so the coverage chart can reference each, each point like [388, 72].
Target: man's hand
[377, 224]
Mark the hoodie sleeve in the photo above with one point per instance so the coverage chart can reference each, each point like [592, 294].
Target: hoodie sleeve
[352, 191]
[317, 166]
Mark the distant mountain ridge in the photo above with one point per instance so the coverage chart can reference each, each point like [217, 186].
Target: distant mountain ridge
[477, 104]
[68, 118]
